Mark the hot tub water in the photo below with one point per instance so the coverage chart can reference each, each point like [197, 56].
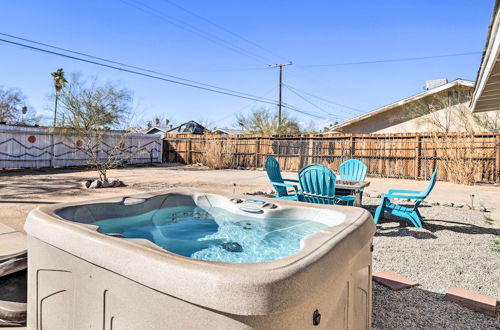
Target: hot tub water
[214, 234]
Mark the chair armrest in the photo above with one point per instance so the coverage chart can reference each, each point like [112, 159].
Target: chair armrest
[345, 198]
[291, 180]
[285, 185]
[414, 192]
[403, 196]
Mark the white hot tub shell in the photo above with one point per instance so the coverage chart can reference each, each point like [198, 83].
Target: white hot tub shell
[79, 278]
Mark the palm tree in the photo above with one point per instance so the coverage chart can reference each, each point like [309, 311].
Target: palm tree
[59, 83]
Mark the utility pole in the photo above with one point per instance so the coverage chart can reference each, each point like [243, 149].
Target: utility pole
[280, 85]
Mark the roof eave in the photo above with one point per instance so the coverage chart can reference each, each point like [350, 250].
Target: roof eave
[489, 59]
[407, 100]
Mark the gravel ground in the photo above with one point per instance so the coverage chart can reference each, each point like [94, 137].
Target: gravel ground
[416, 308]
[456, 247]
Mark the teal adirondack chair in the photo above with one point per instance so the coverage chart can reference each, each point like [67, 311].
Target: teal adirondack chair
[317, 184]
[353, 170]
[281, 188]
[410, 213]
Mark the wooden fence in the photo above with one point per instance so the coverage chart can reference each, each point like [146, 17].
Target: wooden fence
[411, 156]
[33, 147]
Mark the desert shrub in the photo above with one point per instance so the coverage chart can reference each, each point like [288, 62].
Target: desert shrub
[460, 158]
[220, 153]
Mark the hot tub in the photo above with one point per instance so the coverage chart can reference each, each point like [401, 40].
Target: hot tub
[184, 260]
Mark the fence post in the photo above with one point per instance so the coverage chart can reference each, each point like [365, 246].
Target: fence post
[257, 152]
[352, 143]
[188, 157]
[164, 151]
[417, 158]
[310, 147]
[497, 158]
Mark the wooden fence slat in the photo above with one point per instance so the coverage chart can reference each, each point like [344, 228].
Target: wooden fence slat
[411, 156]
[497, 158]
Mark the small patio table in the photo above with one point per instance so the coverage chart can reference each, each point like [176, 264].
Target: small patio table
[352, 187]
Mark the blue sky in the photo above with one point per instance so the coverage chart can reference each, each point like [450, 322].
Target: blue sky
[172, 40]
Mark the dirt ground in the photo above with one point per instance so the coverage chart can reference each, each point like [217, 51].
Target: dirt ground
[448, 245]
[23, 190]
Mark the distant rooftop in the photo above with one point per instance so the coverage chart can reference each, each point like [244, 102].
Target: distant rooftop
[229, 131]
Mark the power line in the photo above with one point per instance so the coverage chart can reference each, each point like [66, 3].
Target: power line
[221, 27]
[287, 106]
[192, 29]
[242, 95]
[403, 59]
[304, 66]
[123, 64]
[327, 101]
[311, 103]
[219, 91]
[246, 106]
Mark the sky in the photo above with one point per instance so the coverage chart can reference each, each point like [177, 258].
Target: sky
[229, 44]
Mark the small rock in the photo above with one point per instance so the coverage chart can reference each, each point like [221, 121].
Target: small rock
[115, 182]
[270, 192]
[481, 209]
[86, 183]
[435, 203]
[457, 205]
[446, 204]
[376, 195]
[106, 184]
[95, 184]
[467, 207]
[255, 193]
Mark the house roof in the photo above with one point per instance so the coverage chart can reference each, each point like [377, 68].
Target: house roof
[189, 127]
[155, 128]
[229, 131]
[458, 82]
[486, 96]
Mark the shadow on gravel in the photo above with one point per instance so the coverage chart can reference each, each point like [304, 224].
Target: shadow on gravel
[393, 226]
[403, 228]
[433, 225]
[404, 232]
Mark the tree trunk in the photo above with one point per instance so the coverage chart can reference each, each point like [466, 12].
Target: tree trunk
[55, 110]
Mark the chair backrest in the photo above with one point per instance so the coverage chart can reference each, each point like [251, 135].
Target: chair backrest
[274, 174]
[431, 183]
[353, 170]
[318, 184]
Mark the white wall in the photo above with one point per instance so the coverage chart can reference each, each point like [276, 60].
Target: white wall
[31, 147]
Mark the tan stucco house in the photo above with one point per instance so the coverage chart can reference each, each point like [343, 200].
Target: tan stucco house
[442, 103]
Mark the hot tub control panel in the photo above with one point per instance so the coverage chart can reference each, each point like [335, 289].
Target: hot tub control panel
[253, 205]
